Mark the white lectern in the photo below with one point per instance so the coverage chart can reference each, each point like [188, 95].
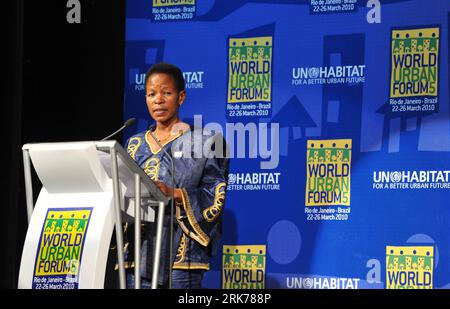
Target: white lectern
[86, 186]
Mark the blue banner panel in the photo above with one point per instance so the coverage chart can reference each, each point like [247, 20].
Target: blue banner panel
[343, 179]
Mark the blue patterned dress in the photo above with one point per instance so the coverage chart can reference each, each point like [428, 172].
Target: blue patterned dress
[201, 172]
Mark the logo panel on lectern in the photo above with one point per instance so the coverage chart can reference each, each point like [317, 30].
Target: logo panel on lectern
[60, 248]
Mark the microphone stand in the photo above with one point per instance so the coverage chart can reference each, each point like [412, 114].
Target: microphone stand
[171, 204]
[127, 123]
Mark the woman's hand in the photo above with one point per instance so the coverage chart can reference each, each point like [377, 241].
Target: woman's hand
[167, 191]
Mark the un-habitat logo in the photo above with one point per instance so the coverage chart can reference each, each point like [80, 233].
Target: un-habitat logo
[244, 267]
[136, 79]
[173, 10]
[328, 179]
[409, 267]
[60, 248]
[249, 77]
[414, 70]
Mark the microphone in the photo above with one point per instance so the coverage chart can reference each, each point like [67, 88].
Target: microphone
[127, 124]
[172, 170]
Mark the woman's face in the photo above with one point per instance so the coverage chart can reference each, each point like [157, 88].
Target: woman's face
[163, 98]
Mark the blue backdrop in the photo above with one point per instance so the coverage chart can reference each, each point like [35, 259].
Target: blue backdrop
[359, 198]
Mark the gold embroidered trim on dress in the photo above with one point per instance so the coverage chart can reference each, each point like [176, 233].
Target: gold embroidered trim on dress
[198, 235]
[184, 228]
[151, 168]
[181, 251]
[211, 213]
[204, 266]
[133, 147]
[162, 144]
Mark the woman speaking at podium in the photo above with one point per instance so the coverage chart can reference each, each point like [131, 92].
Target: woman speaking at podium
[200, 182]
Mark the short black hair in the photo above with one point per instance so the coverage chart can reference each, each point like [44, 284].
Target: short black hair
[169, 69]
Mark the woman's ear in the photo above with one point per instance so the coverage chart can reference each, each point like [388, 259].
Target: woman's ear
[181, 97]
